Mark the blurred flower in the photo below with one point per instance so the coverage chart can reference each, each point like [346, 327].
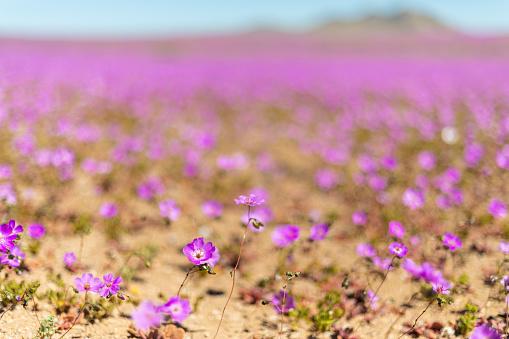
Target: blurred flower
[319, 232]
[366, 250]
[261, 213]
[502, 158]
[413, 198]
[169, 210]
[150, 188]
[178, 309]
[326, 179]
[451, 241]
[497, 208]
[504, 247]
[484, 331]
[212, 209]
[398, 249]
[13, 258]
[426, 160]
[396, 229]
[69, 259]
[147, 315]
[283, 302]
[359, 218]
[373, 299]
[36, 231]
[250, 200]
[233, 162]
[284, 236]
[473, 154]
[108, 210]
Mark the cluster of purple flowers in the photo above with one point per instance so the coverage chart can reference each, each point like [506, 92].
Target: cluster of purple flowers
[149, 315]
[10, 254]
[429, 274]
[109, 286]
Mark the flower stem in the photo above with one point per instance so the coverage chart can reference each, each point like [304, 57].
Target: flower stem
[382, 282]
[189, 272]
[283, 309]
[233, 273]
[77, 316]
[417, 319]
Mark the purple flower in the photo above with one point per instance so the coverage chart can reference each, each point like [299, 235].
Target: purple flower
[88, 283]
[504, 247]
[214, 259]
[430, 274]
[108, 210]
[413, 198]
[198, 252]
[451, 241]
[69, 259]
[412, 268]
[251, 200]
[426, 160]
[283, 302]
[36, 231]
[13, 258]
[505, 282]
[396, 229]
[366, 250]
[150, 188]
[398, 249]
[382, 263]
[319, 232]
[389, 162]
[178, 309]
[169, 210]
[7, 194]
[147, 315]
[212, 209]
[237, 161]
[484, 331]
[502, 158]
[359, 218]
[366, 163]
[373, 299]
[326, 179]
[8, 235]
[497, 208]
[473, 154]
[284, 236]
[441, 287]
[111, 285]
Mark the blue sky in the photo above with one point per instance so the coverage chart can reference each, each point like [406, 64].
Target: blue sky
[145, 18]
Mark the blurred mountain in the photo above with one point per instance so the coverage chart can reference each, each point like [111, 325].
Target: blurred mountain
[405, 22]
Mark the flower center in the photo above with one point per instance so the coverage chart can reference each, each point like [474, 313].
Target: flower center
[198, 254]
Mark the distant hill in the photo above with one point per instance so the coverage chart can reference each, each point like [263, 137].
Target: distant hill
[399, 23]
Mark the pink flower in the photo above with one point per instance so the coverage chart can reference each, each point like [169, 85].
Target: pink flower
[88, 283]
[147, 315]
[250, 200]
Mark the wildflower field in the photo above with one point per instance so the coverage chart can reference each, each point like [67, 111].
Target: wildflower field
[255, 188]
